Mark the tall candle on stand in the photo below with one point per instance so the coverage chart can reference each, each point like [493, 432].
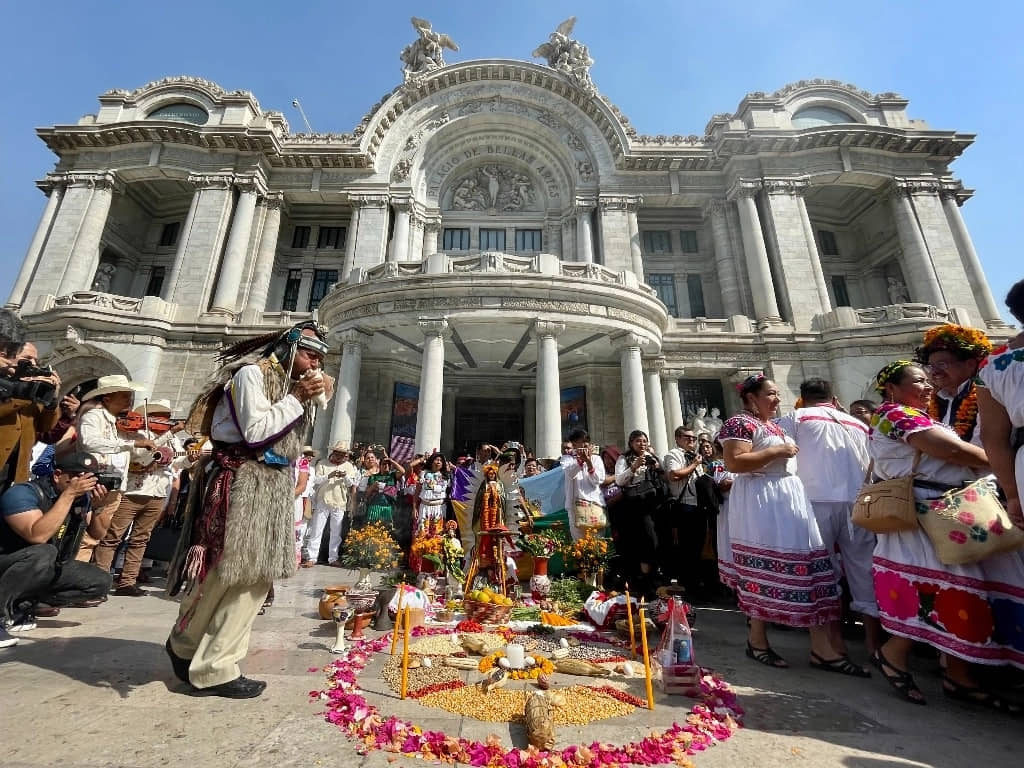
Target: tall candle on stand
[647, 658]
[405, 651]
[629, 618]
[516, 655]
[398, 617]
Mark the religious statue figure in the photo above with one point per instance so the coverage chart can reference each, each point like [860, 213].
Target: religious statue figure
[714, 422]
[426, 54]
[104, 277]
[898, 293]
[570, 57]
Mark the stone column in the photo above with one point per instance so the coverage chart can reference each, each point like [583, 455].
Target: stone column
[725, 265]
[371, 236]
[179, 252]
[266, 254]
[305, 287]
[569, 250]
[658, 435]
[399, 250]
[530, 418]
[416, 234]
[549, 422]
[85, 253]
[431, 232]
[634, 408]
[765, 305]
[225, 298]
[346, 395]
[922, 281]
[448, 420]
[636, 253]
[812, 251]
[584, 232]
[350, 241]
[615, 233]
[673, 405]
[428, 417]
[200, 246]
[953, 196]
[53, 187]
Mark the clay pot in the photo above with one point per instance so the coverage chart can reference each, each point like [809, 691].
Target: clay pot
[330, 596]
[540, 584]
[360, 622]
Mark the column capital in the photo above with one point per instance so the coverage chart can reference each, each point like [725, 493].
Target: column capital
[584, 204]
[654, 364]
[793, 186]
[368, 201]
[352, 337]
[251, 182]
[716, 207]
[51, 182]
[744, 188]
[542, 328]
[620, 202]
[274, 200]
[433, 326]
[672, 374]
[211, 180]
[953, 189]
[629, 341]
[402, 204]
[908, 186]
[101, 180]
[431, 223]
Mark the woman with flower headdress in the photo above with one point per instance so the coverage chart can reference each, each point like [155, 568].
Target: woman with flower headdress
[432, 494]
[783, 571]
[972, 613]
[952, 355]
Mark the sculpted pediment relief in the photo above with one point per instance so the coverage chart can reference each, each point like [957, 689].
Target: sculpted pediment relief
[493, 188]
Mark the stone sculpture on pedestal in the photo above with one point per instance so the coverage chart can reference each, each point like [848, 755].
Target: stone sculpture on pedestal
[570, 57]
[426, 54]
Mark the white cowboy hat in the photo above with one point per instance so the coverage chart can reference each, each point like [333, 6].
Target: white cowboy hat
[341, 447]
[155, 406]
[106, 385]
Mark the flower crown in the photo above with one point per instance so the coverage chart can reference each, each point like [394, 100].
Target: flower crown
[957, 339]
[889, 373]
[750, 382]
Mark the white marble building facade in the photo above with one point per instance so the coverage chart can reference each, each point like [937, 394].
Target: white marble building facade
[496, 231]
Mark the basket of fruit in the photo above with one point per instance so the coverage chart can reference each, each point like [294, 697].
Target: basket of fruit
[487, 606]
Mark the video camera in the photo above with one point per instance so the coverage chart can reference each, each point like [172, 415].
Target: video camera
[14, 386]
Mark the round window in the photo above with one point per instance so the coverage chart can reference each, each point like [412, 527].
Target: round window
[180, 113]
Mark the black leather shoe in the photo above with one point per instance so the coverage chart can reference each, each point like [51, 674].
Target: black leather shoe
[178, 664]
[239, 688]
[132, 590]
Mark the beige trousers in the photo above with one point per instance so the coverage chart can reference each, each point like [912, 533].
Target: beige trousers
[217, 621]
[88, 544]
[143, 511]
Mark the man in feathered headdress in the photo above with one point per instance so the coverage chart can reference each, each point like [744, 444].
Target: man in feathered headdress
[952, 355]
[240, 515]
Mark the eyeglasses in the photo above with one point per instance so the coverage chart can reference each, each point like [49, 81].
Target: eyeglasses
[942, 365]
[688, 437]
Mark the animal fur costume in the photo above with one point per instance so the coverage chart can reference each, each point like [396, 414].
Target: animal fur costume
[252, 540]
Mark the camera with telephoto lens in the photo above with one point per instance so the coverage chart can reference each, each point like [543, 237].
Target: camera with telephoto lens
[14, 386]
[109, 480]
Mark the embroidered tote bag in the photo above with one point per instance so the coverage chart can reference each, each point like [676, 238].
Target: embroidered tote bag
[966, 525]
[888, 505]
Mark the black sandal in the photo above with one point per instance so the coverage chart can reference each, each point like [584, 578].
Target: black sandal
[766, 656]
[971, 695]
[901, 681]
[840, 665]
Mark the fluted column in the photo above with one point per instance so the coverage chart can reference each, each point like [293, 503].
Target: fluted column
[53, 187]
[634, 407]
[85, 253]
[922, 281]
[952, 197]
[225, 298]
[755, 251]
[346, 395]
[264, 267]
[428, 417]
[636, 254]
[549, 422]
[725, 264]
[658, 435]
[350, 241]
[673, 405]
[399, 250]
[584, 232]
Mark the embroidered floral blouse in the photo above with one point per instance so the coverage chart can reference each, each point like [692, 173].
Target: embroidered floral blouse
[1002, 373]
[760, 435]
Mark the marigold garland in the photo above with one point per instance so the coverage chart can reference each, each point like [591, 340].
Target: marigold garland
[542, 667]
[966, 413]
[707, 723]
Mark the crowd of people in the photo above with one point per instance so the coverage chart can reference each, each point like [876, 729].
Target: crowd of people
[758, 511]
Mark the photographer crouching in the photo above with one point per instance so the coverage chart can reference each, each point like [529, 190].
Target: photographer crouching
[41, 525]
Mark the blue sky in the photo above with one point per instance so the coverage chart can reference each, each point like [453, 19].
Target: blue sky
[668, 65]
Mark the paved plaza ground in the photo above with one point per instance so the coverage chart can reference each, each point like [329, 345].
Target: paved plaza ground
[94, 688]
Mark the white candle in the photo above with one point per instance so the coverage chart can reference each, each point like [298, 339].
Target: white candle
[516, 655]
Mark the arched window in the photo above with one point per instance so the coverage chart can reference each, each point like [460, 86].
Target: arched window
[180, 113]
[812, 117]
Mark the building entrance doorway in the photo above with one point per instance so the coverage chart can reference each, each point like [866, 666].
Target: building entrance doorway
[486, 419]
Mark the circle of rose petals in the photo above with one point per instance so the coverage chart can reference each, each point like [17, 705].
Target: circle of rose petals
[709, 722]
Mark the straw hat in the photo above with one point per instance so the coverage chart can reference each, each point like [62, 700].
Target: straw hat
[106, 385]
[341, 447]
[155, 406]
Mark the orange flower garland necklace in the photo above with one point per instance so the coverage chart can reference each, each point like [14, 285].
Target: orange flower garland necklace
[966, 416]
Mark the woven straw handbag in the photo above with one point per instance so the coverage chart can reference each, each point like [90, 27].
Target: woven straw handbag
[966, 525]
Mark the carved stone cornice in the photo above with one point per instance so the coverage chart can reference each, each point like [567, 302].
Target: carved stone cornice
[654, 364]
[953, 189]
[791, 186]
[212, 180]
[100, 180]
[369, 201]
[433, 326]
[629, 341]
[542, 328]
[905, 186]
[716, 207]
[744, 188]
[51, 182]
[619, 202]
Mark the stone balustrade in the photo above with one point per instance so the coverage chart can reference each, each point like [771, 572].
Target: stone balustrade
[146, 307]
[850, 317]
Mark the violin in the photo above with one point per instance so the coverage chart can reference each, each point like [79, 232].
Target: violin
[133, 421]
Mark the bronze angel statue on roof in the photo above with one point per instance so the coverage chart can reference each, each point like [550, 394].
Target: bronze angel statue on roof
[570, 57]
[426, 54]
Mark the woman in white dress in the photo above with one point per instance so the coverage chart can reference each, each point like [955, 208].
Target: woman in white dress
[972, 613]
[783, 573]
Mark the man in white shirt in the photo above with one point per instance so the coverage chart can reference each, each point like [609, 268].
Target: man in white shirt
[240, 528]
[584, 473]
[99, 435]
[832, 464]
[685, 529]
[333, 482]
